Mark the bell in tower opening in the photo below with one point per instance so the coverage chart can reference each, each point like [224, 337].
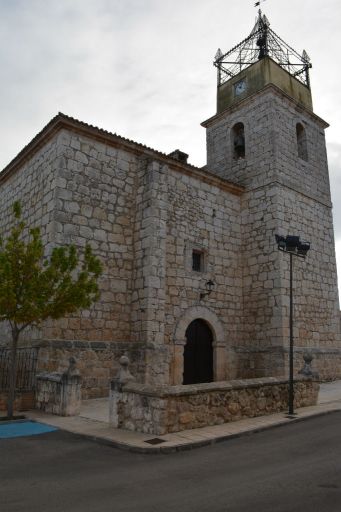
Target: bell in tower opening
[238, 141]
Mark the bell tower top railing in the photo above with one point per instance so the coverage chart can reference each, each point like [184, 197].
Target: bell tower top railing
[262, 42]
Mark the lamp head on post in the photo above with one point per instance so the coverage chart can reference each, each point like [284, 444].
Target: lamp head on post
[303, 248]
[292, 244]
[294, 247]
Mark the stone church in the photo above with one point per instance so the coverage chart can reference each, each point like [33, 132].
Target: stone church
[194, 287]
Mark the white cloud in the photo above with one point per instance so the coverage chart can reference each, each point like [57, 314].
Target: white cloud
[143, 68]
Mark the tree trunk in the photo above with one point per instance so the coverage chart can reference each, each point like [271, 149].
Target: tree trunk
[13, 372]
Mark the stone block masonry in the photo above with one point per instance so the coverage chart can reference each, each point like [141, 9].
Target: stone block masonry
[142, 216]
[284, 194]
[146, 214]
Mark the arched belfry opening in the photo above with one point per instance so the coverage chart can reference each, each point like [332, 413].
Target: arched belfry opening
[198, 353]
[238, 141]
[301, 141]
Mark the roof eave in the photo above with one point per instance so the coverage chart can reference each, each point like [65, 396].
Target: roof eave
[62, 121]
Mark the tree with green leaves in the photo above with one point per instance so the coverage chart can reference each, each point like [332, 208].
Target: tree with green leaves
[34, 287]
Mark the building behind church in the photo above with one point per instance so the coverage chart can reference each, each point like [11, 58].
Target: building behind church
[194, 288]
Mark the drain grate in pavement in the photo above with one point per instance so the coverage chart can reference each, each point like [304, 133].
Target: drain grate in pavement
[155, 440]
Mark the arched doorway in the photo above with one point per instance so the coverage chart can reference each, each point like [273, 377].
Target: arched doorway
[198, 353]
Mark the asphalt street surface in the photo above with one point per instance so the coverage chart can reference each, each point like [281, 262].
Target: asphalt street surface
[291, 468]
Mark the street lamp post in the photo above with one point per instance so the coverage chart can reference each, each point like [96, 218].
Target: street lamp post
[292, 245]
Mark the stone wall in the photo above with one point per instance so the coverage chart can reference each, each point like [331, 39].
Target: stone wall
[266, 284]
[175, 408]
[144, 213]
[271, 152]
[204, 218]
[33, 184]
[142, 217]
[95, 205]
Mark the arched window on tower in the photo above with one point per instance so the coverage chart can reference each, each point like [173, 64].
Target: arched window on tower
[301, 142]
[238, 141]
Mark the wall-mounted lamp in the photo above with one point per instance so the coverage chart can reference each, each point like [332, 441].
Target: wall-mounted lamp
[209, 287]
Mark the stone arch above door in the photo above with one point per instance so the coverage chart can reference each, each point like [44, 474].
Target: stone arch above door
[205, 314]
[219, 348]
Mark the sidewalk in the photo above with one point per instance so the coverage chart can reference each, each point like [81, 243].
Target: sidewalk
[93, 424]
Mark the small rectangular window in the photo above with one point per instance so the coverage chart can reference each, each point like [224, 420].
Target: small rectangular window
[197, 261]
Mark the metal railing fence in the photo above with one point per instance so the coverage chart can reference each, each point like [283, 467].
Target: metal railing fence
[26, 368]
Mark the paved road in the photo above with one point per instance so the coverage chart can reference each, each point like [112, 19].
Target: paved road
[292, 468]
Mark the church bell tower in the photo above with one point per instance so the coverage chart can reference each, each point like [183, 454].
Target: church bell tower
[266, 137]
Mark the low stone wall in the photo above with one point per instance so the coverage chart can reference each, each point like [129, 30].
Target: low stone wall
[172, 409]
[97, 361]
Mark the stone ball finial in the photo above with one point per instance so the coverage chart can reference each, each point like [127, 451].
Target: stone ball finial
[124, 374]
[72, 369]
[308, 357]
[307, 370]
[124, 361]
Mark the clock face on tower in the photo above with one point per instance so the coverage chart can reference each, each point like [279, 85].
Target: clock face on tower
[240, 87]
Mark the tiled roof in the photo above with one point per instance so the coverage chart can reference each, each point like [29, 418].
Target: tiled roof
[64, 121]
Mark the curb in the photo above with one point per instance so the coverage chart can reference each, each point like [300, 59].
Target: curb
[196, 444]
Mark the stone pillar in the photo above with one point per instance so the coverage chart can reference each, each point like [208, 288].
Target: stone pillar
[114, 396]
[60, 393]
[123, 377]
[71, 396]
[150, 263]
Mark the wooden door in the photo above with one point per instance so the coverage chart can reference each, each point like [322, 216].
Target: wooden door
[198, 353]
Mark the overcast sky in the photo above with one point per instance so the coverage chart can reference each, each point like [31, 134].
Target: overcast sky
[143, 68]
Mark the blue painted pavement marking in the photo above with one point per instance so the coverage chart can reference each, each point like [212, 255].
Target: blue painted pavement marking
[23, 428]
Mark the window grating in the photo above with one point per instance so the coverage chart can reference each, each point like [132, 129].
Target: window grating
[197, 261]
